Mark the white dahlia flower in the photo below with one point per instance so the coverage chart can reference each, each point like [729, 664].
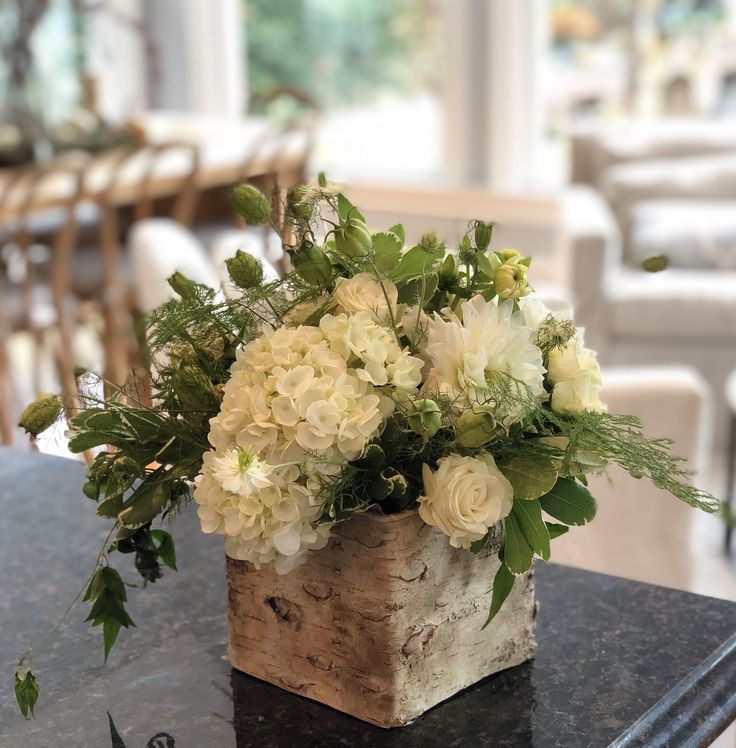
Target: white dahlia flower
[486, 339]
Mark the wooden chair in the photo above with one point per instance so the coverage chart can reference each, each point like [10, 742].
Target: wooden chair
[132, 178]
[36, 302]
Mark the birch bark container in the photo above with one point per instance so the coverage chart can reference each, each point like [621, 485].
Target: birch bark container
[383, 623]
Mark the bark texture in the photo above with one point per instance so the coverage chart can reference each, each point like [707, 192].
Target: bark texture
[383, 623]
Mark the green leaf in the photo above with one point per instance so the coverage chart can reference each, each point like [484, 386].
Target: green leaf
[517, 553]
[26, 692]
[114, 583]
[556, 530]
[415, 262]
[569, 502]
[166, 548]
[345, 209]
[147, 501]
[398, 229]
[110, 631]
[387, 247]
[488, 265]
[503, 583]
[529, 516]
[531, 475]
[420, 290]
[95, 587]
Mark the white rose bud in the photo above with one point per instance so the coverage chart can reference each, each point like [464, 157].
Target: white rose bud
[575, 376]
[465, 497]
[366, 293]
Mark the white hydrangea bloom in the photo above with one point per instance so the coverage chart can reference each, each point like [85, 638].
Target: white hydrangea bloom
[273, 522]
[300, 402]
[487, 338]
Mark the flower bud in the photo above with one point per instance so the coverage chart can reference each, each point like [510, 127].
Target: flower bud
[429, 241]
[250, 203]
[40, 414]
[353, 239]
[424, 417]
[182, 285]
[483, 234]
[509, 253]
[245, 270]
[448, 271]
[475, 427]
[312, 264]
[510, 278]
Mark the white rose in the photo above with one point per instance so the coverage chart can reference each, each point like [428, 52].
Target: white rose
[366, 293]
[465, 497]
[576, 378]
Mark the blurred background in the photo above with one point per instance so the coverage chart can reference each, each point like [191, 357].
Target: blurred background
[600, 135]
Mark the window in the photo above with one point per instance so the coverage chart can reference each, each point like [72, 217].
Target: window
[372, 68]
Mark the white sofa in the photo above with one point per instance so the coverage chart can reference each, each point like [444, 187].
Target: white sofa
[683, 206]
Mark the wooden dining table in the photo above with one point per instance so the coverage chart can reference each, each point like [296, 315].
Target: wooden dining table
[229, 150]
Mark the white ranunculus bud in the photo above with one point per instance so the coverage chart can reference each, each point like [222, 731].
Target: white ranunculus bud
[366, 293]
[465, 497]
[575, 376]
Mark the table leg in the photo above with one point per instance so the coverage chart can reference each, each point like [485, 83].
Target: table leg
[730, 477]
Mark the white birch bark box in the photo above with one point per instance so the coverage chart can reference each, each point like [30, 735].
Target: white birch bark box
[383, 623]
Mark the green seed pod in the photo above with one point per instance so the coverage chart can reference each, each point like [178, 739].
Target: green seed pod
[298, 203]
[250, 203]
[42, 413]
[353, 239]
[475, 427]
[312, 264]
[655, 263]
[424, 417]
[245, 270]
[483, 234]
[91, 490]
[182, 285]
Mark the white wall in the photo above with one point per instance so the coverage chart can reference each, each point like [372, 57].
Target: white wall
[201, 56]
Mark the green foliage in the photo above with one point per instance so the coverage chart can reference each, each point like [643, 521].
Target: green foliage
[569, 502]
[503, 583]
[106, 593]
[26, 692]
[518, 554]
[528, 515]
[531, 475]
[415, 262]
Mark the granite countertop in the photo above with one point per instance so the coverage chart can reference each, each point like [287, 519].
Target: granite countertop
[618, 662]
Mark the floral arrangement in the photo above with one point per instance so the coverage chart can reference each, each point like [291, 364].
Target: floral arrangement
[372, 376]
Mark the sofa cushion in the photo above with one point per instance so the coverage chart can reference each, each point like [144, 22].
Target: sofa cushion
[691, 233]
[674, 304]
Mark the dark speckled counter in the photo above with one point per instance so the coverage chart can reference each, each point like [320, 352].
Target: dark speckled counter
[618, 662]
